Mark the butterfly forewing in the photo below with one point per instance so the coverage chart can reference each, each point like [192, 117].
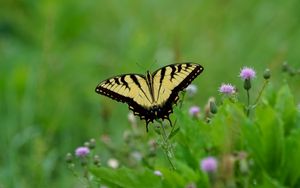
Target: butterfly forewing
[171, 79]
[129, 88]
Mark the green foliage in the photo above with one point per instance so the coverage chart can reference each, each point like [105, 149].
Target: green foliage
[272, 155]
[125, 177]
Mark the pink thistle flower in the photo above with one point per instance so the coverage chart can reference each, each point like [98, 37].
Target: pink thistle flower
[82, 151]
[209, 164]
[227, 89]
[247, 73]
[194, 111]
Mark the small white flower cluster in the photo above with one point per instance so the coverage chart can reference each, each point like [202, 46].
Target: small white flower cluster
[113, 163]
[191, 90]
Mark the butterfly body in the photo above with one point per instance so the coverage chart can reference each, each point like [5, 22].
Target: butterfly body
[152, 96]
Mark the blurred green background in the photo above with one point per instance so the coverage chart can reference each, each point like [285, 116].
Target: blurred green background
[54, 53]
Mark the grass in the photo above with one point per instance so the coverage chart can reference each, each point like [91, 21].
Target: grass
[54, 53]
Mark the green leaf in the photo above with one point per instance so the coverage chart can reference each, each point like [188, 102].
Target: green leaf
[290, 167]
[173, 178]
[191, 139]
[127, 178]
[183, 175]
[226, 126]
[186, 172]
[286, 108]
[173, 133]
[269, 182]
[270, 94]
[253, 141]
[272, 138]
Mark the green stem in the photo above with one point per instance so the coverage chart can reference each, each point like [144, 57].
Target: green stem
[180, 104]
[261, 91]
[173, 128]
[86, 176]
[248, 103]
[84, 181]
[166, 146]
[246, 180]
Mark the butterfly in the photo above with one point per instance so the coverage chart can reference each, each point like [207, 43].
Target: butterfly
[153, 95]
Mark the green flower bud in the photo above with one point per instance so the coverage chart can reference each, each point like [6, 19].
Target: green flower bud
[247, 84]
[96, 160]
[92, 143]
[87, 144]
[267, 74]
[69, 158]
[244, 167]
[285, 67]
[213, 107]
[292, 72]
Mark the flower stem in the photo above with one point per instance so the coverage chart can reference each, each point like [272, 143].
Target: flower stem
[248, 103]
[82, 180]
[181, 101]
[166, 146]
[260, 92]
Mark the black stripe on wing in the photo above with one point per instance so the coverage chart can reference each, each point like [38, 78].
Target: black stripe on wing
[139, 110]
[135, 107]
[173, 98]
[136, 81]
[116, 80]
[162, 75]
[124, 82]
[173, 71]
[184, 83]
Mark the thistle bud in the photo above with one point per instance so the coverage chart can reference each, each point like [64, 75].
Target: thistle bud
[267, 74]
[92, 143]
[292, 72]
[213, 107]
[285, 67]
[243, 163]
[96, 160]
[87, 144]
[244, 167]
[69, 158]
[247, 84]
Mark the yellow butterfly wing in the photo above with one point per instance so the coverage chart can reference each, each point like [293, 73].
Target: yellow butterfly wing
[128, 88]
[171, 79]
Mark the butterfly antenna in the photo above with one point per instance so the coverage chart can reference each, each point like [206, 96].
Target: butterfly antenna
[143, 68]
[140, 66]
[150, 67]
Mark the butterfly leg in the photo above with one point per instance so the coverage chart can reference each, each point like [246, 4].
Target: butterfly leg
[147, 123]
[169, 121]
